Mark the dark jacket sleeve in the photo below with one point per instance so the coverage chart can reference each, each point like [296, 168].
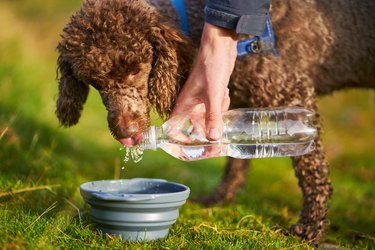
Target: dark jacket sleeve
[244, 16]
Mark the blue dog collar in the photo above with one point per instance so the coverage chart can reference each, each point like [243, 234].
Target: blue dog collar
[265, 44]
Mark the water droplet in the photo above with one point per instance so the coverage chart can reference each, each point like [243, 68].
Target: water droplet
[135, 153]
[127, 155]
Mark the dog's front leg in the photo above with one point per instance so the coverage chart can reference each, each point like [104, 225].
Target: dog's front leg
[312, 173]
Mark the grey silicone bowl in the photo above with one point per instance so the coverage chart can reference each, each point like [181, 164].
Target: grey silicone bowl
[135, 209]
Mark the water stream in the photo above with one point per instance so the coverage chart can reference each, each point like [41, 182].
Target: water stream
[135, 153]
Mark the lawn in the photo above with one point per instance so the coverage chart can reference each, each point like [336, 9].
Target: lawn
[43, 164]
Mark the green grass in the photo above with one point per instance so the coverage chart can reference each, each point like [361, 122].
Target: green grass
[42, 164]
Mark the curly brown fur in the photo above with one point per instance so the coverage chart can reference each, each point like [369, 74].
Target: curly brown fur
[133, 53]
[130, 54]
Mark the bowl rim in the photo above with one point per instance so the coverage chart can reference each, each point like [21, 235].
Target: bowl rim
[90, 193]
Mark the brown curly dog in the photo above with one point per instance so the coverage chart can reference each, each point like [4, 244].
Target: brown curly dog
[135, 55]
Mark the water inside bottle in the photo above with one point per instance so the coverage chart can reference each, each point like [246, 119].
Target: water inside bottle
[246, 151]
[239, 151]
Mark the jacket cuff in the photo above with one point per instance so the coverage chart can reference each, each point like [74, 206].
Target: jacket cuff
[247, 24]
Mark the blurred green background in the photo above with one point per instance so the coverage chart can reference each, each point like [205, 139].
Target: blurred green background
[35, 152]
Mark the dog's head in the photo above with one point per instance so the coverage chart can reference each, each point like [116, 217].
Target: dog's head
[125, 50]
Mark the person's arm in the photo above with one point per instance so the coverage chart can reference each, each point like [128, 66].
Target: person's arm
[206, 87]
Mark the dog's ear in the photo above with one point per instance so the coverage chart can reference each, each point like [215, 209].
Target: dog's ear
[71, 96]
[170, 67]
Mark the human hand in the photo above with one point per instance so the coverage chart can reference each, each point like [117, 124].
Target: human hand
[206, 87]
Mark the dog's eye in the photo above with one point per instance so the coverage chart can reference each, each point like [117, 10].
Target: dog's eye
[135, 72]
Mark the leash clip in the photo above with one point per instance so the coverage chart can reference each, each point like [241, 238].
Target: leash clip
[253, 47]
[264, 44]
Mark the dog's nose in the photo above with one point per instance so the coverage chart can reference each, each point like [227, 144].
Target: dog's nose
[128, 131]
[132, 129]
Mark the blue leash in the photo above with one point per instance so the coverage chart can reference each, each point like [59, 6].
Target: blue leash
[179, 5]
[265, 44]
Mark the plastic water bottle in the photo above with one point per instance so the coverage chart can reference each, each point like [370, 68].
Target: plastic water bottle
[248, 133]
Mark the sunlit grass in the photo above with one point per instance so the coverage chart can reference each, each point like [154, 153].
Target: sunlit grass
[42, 164]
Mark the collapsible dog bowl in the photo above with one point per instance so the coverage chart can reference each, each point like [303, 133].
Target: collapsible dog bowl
[134, 209]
